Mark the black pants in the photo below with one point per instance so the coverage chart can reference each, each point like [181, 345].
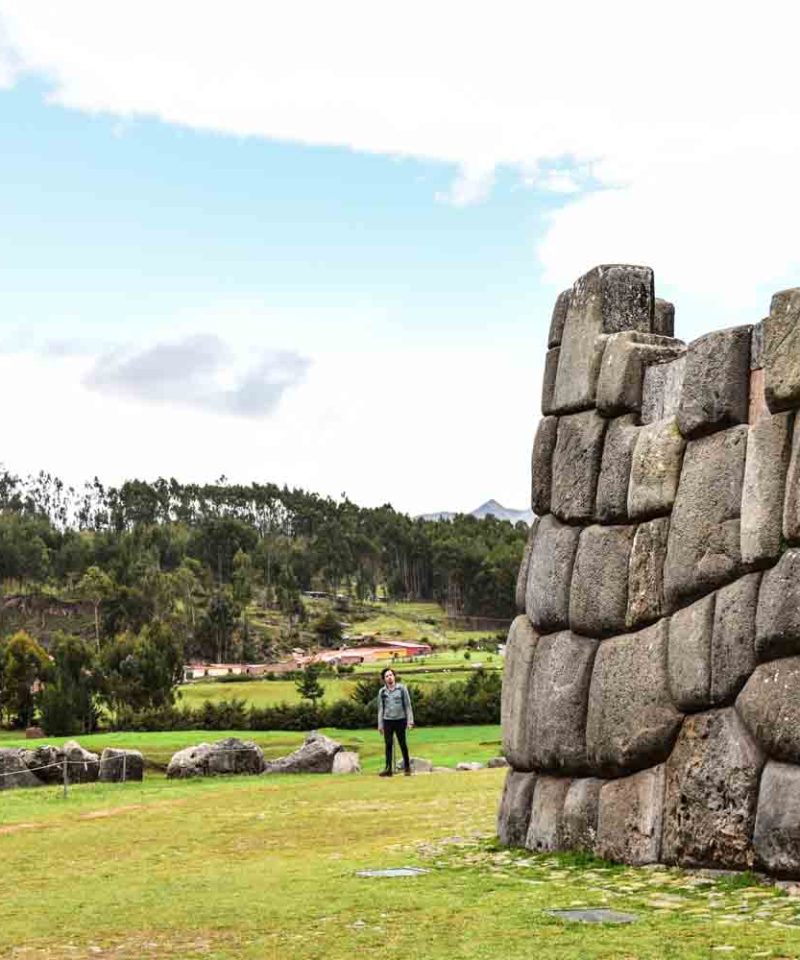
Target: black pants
[396, 728]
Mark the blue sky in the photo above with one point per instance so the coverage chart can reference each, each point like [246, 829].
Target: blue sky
[321, 247]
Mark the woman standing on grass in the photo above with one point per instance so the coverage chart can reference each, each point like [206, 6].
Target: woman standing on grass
[394, 717]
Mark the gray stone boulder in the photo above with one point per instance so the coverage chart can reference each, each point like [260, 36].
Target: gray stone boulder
[611, 502]
[716, 383]
[516, 708]
[469, 766]
[549, 575]
[781, 332]
[522, 576]
[776, 837]
[791, 508]
[646, 573]
[514, 814]
[703, 551]
[664, 318]
[46, 763]
[118, 766]
[547, 814]
[225, 757]
[549, 381]
[766, 463]
[559, 691]
[689, 656]
[733, 654]
[496, 763]
[544, 445]
[14, 770]
[189, 762]
[83, 766]
[769, 705]
[418, 764]
[347, 761]
[655, 469]
[576, 466]
[626, 356]
[315, 756]
[630, 817]
[778, 611]
[631, 722]
[579, 823]
[598, 600]
[606, 300]
[711, 793]
[559, 318]
[661, 390]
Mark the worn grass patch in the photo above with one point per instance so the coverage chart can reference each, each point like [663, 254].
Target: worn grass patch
[251, 868]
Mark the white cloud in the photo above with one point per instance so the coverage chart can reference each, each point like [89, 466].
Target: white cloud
[690, 116]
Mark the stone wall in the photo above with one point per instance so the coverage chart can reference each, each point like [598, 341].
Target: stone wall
[651, 697]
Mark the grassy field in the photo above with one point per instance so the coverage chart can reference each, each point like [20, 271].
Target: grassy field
[427, 622]
[263, 868]
[445, 746]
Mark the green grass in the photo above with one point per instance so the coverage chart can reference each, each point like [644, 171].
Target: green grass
[419, 621]
[445, 746]
[257, 693]
[265, 868]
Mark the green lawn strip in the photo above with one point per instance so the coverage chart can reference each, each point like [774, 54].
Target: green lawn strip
[445, 746]
[265, 867]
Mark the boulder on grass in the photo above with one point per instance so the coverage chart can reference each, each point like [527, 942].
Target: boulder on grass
[418, 765]
[14, 771]
[46, 763]
[228, 756]
[83, 766]
[315, 756]
[118, 766]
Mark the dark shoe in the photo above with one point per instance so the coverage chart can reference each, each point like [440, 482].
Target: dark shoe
[407, 773]
[385, 773]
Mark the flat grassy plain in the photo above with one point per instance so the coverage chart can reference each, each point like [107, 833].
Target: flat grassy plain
[255, 868]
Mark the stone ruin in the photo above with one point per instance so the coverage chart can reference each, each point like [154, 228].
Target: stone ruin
[651, 696]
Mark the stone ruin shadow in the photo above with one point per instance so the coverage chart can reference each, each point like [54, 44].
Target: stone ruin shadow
[651, 697]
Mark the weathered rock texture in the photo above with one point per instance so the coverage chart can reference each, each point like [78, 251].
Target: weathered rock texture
[651, 699]
[228, 756]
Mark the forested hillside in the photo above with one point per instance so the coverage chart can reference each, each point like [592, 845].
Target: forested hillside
[214, 564]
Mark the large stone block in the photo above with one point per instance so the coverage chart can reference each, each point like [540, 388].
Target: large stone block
[711, 793]
[646, 573]
[655, 469]
[703, 551]
[547, 814]
[611, 504]
[576, 466]
[606, 300]
[766, 462]
[579, 824]
[661, 390]
[733, 654]
[791, 506]
[550, 574]
[631, 722]
[776, 838]
[689, 658]
[769, 704]
[559, 318]
[716, 382]
[664, 318]
[549, 381]
[626, 356]
[782, 351]
[560, 678]
[522, 575]
[630, 818]
[516, 707]
[598, 599]
[778, 611]
[514, 814]
[544, 446]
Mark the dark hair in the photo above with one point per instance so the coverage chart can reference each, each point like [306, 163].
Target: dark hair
[387, 670]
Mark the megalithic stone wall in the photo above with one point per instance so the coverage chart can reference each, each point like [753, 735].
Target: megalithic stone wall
[651, 695]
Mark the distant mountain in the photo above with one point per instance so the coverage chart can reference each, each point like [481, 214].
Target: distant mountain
[491, 507]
